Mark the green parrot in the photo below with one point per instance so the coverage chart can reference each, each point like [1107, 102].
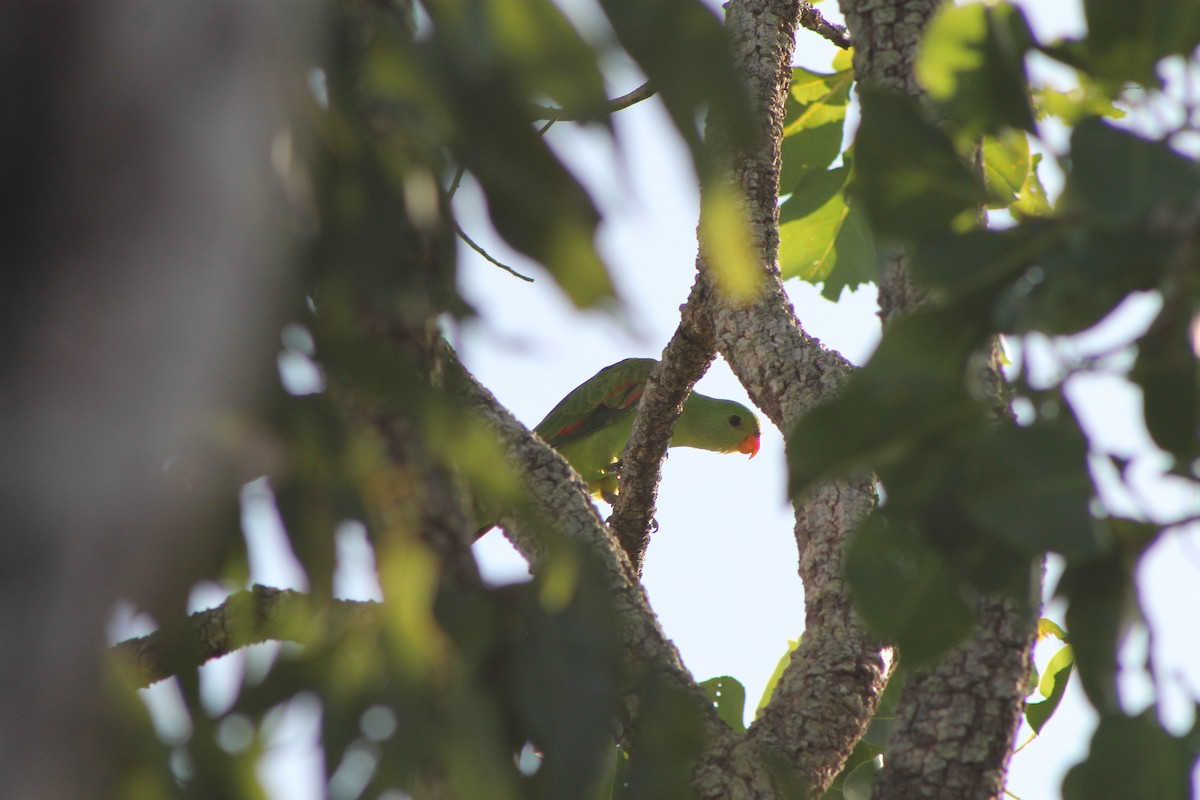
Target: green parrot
[591, 425]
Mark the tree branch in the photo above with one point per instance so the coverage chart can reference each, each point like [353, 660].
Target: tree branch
[643, 92]
[684, 361]
[956, 720]
[812, 19]
[248, 617]
[828, 694]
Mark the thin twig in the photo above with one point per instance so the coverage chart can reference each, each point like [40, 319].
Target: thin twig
[616, 104]
[455, 183]
[811, 18]
[471, 243]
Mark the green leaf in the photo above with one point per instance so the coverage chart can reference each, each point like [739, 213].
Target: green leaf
[692, 67]
[728, 696]
[910, 393]
[780, 666]
[1169, 376]
[1126, 43]
[726, 239]
[1053, 687]
[980, 259]
[972, 63]
[1079, 280]
[822, 239]
[1101, 604]
[1030, 487]
[814, 122]
[664, 746]
[905, 591]
[564, 676]
[909, 177]
[534, 201]
[1090, 98]
[1031, 198]
[1117, 177]
[858, 783]
[1048, 627]
[545, 51]
[1006, 166]
[1132, 758]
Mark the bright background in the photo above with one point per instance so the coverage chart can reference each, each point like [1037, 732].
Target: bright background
[721, 571]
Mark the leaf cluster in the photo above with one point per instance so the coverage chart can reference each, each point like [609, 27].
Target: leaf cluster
[973, 495]
[442, 689]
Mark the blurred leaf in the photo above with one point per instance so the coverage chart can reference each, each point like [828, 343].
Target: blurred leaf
[1082, 278]
[910, 392]
[1032, 200]
[728, 696]
[535, 203]
[1090, 98]
[814, 122]
[1030, 486]
[725, 236]
[548, 55]
[1169, 376]
[905, 591]
[1053, 687]
[972, 63]
[692, 68]
[1100, 596]
[860, 781]
[1006, 166]
[1126, 44]
[1048, 627]
[666, 743]
[408, 575]
[909, 177]
[565, 670]
[980, 259]
[1132, 758]
[1117, 177]
[822, 239]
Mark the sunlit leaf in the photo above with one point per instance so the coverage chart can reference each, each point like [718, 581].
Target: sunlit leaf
[814, 123]
[1048, 627]
[1032, 200]
[725, 236]
[1006, 166]
[1090, 98]
[1053, 687]
[780, 666]
[822, 238]
[972, 63]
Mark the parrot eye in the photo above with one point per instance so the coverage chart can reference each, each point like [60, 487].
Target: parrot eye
[735, 420]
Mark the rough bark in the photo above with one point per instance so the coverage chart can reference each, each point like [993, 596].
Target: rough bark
[829, 692]
[956, 719]
[684, 361]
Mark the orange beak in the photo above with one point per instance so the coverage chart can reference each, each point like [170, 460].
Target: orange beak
[749, 445]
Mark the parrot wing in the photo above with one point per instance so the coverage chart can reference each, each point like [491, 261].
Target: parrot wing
[606, 397]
